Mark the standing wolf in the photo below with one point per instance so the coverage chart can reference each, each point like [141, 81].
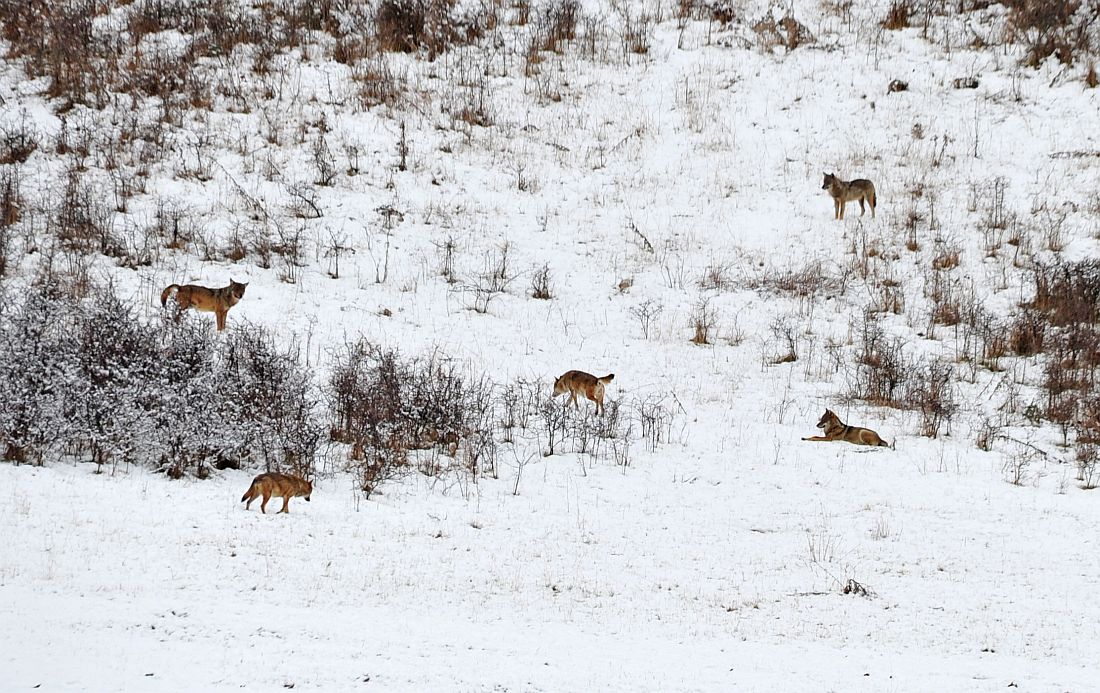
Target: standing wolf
[844, 191]
[835, 429]
[579, 382]
[275, 484]
[216, 301]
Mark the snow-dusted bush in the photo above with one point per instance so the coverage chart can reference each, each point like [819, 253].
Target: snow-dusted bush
[87, 379]
[35, 361]
[274, 399]
[112, 370]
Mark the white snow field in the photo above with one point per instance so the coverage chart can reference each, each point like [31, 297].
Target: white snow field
[734, 557]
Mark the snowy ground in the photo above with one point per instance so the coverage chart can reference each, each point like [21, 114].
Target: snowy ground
[692, 572]
[716, 562]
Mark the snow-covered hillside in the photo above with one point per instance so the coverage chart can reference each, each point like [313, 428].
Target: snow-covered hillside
[664, 169]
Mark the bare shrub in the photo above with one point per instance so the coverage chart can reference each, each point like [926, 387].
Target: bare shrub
[808, 281]
[716, 277]
[948, 300]
[174, 223]
[447, 250]
[897, 17]
[555, 24]
[1087, 429]
[336, 246]
[1088, 464]
[888, 298]
[387, 408]
[81, 220]
[520, 403]
[493, 281]
[931, 391]
[785, 337]
[656, 417]
[540, 283]
[407, 26]
[997, 215]
[1016, 464]
[554, 418]
[1069, 373]
[1068, 292]
[646, 312]
[472, 106]
[946, 257]
[379, 83]
[305, 201]
[882, 371]
[11, 211]
[987, 433]
[1059, 29]
[400, 25]
[18, 141]
[1027, 333]
[704, 319]
[636, 33]
[324, 163]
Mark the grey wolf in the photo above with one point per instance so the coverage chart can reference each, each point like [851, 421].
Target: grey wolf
[579, 382]
[835, 429]
[844, 191]
[216, 301]
[279, 485]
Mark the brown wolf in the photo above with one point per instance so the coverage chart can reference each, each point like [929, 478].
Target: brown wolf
[835, 429]
[217, 301]
[579, 382]
[845, 191]
[275, 484]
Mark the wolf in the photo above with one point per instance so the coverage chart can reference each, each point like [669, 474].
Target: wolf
[579, 382]
[835, 429]
[217, 301]
[844, 191]
[275, 484]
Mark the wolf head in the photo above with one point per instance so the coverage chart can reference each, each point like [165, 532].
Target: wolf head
[237, 289]
[828, 181]
[827, 418]
[307, 486]
[559, 385]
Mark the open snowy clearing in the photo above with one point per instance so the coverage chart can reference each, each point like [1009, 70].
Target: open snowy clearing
[689, 572]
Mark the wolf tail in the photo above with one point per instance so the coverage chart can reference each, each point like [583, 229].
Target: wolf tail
[607, 378]
[168, 292]
[248, 494]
